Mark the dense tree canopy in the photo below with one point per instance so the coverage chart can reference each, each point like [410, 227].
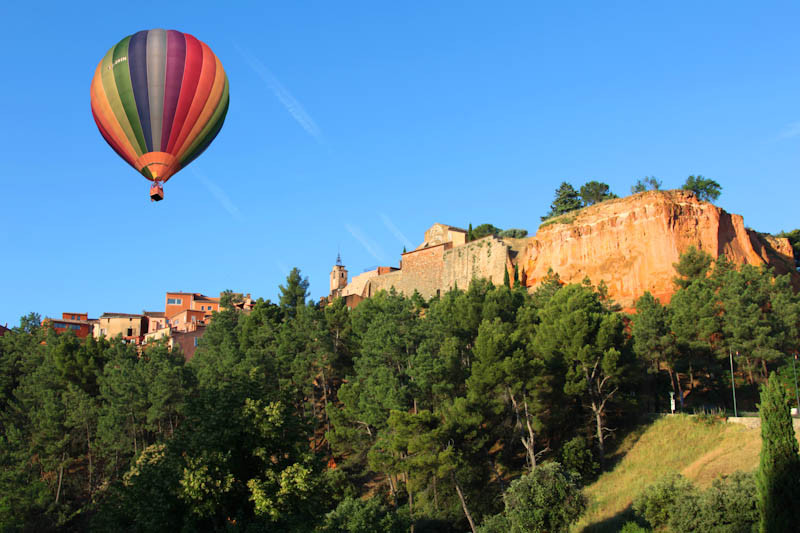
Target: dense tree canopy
[404, 413]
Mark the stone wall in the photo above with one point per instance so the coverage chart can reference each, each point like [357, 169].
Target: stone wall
[485, 258]
[421, 271]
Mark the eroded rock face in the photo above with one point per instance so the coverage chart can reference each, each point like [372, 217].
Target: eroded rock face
[631, 244]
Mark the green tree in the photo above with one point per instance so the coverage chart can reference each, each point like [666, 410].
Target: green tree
[567, 199]
[752, 324]
[706, 189]
[484, 230]
[653, 340]
[360, 516]
[594, 192]
[692, 265]
[294, 293]
[576, 328]
[779, 464]
[547, 500]
[648, 183]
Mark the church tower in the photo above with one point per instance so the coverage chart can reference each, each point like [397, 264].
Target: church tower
[338, 277]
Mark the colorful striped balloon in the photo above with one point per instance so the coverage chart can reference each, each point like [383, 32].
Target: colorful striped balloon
[159, 97]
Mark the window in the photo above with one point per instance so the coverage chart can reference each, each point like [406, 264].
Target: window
[202, 308]
[174, 301]
[130, 332]
[75, 327]
[195, 342]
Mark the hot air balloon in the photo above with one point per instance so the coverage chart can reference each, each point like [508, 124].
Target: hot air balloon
[159, 97]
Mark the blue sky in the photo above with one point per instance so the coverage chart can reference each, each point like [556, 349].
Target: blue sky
[354, 126]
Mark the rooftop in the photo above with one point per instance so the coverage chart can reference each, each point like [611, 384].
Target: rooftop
[66, 321]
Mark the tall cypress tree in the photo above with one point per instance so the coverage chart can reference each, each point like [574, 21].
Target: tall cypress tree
[778, 478]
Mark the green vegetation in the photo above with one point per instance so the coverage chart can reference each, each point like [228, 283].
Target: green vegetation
[702, 450]
[547, 500]
[567, 199]
[675, 504]
[446, 414]
[563, 219]
[779, 466]
[706, 189]
[595, 192]
[794, 240]
[649, 183]
[484, 230]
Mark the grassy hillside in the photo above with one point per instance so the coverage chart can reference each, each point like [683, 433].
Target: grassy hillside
[700, 448]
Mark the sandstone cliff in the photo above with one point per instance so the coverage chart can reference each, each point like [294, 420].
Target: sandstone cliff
[631, 243]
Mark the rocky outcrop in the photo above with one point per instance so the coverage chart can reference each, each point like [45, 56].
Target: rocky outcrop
[632, 243]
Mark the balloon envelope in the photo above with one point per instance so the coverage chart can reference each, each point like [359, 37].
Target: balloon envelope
[159, 97]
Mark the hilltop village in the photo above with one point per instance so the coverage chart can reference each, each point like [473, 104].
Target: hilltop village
[630, 244]
[181, 323]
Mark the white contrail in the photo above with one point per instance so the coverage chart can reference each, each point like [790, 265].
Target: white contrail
[396, 232]
[371, 248]
[220, 195]
[284, 96]
[283, 267]
[791, 130]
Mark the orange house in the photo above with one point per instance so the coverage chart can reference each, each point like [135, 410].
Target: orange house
[78, 323]
[181, 301]
[187, 320]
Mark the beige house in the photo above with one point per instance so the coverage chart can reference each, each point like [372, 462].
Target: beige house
[130, 326]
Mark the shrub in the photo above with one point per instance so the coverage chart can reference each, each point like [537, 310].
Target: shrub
[674, 504]
[359, 516]
[656, 503]
[546, 500]
[514, 233]
[577, 458]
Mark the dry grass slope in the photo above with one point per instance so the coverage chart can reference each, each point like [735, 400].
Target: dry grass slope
[700, 448]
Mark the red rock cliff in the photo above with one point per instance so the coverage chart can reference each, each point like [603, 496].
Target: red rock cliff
[631, 243]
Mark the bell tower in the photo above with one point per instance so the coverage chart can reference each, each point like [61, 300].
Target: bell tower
[338, 277]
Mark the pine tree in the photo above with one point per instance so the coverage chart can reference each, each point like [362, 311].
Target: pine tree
[778, 478]
[294, 293]
[567, 199]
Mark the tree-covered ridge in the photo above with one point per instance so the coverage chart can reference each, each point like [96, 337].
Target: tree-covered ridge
[567, 199]
[439, 415]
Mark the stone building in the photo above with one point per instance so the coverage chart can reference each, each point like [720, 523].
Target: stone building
[443, 261]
